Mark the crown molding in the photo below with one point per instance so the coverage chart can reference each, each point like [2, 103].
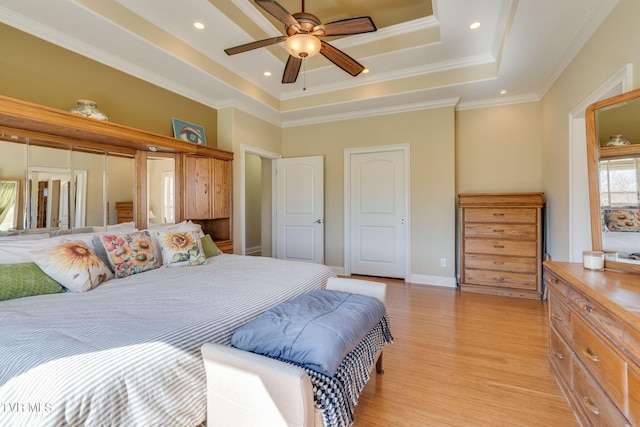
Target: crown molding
[363, 113]
[498, 102]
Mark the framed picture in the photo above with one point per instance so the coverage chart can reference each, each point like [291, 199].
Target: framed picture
[188, 132]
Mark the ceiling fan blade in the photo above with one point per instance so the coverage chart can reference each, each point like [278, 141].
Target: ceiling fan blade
[291, 70]
[341, 59]
[344, 27]
[278, 12]
[255, 45]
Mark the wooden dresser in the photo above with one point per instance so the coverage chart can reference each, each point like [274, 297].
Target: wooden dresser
[501, 244]
[124, 212]
[594, 342]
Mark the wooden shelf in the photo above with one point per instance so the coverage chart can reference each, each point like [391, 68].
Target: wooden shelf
[52, 126]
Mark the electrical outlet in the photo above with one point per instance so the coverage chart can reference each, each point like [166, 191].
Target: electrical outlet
[443, 262]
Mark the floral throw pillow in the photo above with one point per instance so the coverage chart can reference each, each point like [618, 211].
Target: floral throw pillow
[130, 253]
[181, 248]
[73, 265]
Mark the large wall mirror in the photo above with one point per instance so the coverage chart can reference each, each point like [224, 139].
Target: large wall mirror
[613, 155]
[161, 189]
[49, 187]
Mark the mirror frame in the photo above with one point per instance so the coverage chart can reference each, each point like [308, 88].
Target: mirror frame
[593, 146]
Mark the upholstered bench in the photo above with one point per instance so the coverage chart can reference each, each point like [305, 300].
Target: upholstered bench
[249, 389]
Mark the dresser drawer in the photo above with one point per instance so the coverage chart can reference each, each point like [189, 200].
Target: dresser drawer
[634, 397]
[501, 247]
[501, 215]
[501, 231]
[500, 263]
[597, 315]
[593, 401]
[559, 314]
[500, 278]
[600, 360]
[556, 283]
[560, 356]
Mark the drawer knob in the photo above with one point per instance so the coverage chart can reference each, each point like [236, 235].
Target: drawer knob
[558, 354]
[591, 355]
[588, 308]
[590, 405]
[498, 214]
[498, 262]
[498, 231]
[556, 316]
[498, 246]
[498, 279]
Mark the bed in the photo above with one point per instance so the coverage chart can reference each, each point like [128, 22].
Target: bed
[128, 351]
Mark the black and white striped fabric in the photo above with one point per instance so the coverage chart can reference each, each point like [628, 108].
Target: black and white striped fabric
[337, 396]
[128, 352]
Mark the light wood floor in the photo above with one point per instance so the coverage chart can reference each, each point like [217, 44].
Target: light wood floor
[462, 359]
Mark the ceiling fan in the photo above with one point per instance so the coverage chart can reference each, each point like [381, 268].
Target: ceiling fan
[302, 39]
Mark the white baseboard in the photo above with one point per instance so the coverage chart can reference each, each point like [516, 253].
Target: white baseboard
[418, 279]
[445, 281]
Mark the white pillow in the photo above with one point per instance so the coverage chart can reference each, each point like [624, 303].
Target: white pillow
[38, 236]
[186, 225]
[124, 227]
[18, 251]
[73, 265]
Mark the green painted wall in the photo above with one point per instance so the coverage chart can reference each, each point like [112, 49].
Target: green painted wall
[40, 72]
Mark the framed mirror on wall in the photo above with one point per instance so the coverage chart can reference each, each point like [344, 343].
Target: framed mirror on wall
[613, 156]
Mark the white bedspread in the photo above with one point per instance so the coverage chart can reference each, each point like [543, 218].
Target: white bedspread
[128, 352]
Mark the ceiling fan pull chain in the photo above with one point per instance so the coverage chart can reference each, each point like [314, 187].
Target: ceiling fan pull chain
[304, 71]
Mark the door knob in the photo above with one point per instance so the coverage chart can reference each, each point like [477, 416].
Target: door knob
[318, 221]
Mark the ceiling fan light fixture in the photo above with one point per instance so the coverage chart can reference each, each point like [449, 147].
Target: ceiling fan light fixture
[303, 45]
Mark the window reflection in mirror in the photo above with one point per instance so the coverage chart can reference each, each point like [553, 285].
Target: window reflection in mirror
[619, 202]
[160, 191]
[9, 203]
[12, 163]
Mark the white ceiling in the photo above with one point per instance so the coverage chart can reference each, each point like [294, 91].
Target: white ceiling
[419, 62]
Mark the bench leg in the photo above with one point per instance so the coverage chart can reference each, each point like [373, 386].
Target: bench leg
[379, 369]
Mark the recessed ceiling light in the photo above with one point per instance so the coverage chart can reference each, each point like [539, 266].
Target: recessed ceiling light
[503, 91]
[267, 73]
[198, 25]
[365, 71]
[475, 25]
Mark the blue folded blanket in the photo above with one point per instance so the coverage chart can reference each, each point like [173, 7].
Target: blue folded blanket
[316, 329]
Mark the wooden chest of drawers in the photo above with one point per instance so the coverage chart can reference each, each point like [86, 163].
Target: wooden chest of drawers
[594, 342]
[501, 244]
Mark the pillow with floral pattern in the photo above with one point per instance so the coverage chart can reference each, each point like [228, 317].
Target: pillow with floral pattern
[130, 253]
[73, 265]
[181, 248]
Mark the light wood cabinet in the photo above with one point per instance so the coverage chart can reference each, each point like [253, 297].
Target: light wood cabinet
[594, 326]
[207, 197]
[501, 243]
[207, 192]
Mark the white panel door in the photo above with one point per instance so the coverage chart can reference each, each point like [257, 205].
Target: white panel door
[377, 206]
[300, 209]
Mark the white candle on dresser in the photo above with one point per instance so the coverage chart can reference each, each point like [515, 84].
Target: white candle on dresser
[593, 260]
